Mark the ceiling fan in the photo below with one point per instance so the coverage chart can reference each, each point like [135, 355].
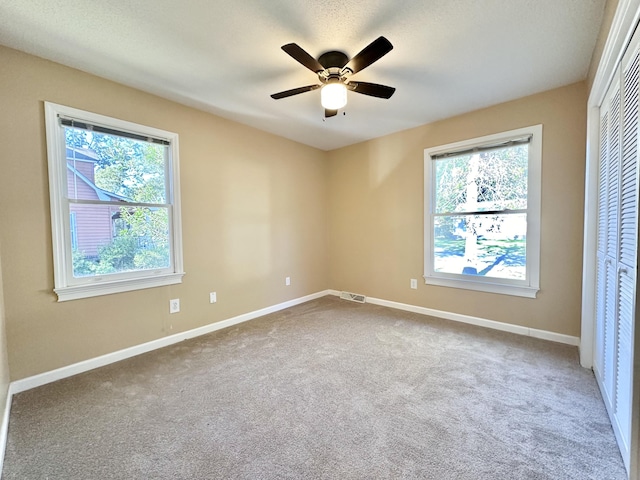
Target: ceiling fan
[334, 69]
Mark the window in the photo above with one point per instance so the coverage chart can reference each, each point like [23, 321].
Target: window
[482, 213]
[115, 204]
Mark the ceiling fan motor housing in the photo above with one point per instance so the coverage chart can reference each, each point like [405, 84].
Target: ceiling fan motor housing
[333, 63]
[333, 59]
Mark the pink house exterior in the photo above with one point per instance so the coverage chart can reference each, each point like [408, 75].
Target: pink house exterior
[92, 226]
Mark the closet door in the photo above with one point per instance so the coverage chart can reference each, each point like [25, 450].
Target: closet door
[617, 244]
[626, 261]
[601, 271]
[605, 365]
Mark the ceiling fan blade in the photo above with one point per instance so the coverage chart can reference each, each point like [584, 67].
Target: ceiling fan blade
[294, 91]
[371, 89]
[301, 56]
[330, 113]
[369, 54]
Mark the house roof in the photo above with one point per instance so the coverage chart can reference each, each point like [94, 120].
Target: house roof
[449, 57]
[101, 193]
[76, 153]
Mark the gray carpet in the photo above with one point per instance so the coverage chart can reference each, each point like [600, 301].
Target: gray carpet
[326, 390]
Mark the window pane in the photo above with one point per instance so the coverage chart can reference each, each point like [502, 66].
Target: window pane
[111, 168]
[484, 181]
[481, 245]
[113, 239]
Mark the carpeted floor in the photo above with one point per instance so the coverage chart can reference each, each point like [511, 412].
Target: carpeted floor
[326, 390]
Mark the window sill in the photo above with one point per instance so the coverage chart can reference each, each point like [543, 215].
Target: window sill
[515, 290]
[76, 292]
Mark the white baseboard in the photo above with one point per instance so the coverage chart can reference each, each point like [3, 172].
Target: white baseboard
[482, 322]
[86, 365]
[4, 427]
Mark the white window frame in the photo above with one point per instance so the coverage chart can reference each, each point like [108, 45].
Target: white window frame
[528, 287]
[66, 286]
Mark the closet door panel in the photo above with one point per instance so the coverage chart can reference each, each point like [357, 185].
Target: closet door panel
[601, 275]
[601, 286]
[613, 176]
[611, 252]
[610, 334]
[627, 247]
[626, 291]
[629, 164]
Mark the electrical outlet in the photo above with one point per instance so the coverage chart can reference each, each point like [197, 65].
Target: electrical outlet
[414, 283]
[174, 305]
[287, 281]
[213, 298]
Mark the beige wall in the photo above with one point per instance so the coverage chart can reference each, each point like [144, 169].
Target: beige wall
[376, 208]
[253, 205]
[257, 208]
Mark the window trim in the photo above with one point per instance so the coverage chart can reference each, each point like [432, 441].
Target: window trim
[65, 285]
[522, 288]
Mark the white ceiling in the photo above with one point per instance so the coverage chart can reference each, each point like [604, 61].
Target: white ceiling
[224, 56]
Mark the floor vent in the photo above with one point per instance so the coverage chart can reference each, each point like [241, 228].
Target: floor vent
[354, 297]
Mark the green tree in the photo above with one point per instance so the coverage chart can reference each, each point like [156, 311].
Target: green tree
[500, 179]
[82, 266]
[135, 171]
[130, 168]
[493, 180]
[117, 256]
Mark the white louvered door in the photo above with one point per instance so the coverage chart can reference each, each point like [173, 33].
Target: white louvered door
[601, 271]
[608, 183]
[626, 265]
[613, 184]
[617, 245]
[604, 344]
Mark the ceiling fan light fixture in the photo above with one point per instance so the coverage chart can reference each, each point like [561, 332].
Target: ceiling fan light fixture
[333, 96]
[334, 70]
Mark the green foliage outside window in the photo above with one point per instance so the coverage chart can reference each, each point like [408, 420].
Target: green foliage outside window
[135, 171]
[466, 240]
